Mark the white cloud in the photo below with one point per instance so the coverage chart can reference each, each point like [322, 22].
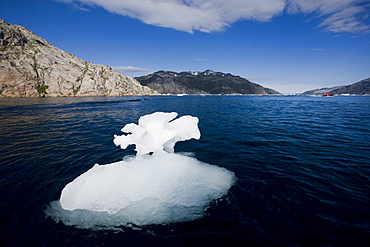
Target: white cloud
[337, 15]
[346, 20]
[75, 4]
[215, 15]
[201, 59]
[130, 70]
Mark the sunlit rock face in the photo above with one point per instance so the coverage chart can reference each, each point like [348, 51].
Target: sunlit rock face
[157, 188]
[31, 67]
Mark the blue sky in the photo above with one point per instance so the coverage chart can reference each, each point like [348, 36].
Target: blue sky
[288, 45]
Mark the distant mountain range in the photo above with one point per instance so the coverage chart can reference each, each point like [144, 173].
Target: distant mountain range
[32, 67]
[207, 82]
[358, 88]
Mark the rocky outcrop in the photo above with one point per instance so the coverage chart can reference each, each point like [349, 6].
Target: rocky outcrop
[32, 67]
[358, 88]
[207, 82]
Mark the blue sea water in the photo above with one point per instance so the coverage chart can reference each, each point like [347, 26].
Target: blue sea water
[302, 168]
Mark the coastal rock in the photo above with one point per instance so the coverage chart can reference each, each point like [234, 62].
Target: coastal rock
[32, 67]
[359, 88]
[207, 82]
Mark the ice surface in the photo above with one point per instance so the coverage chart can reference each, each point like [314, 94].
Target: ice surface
[146, 189]
[155, 133]
[143, 190]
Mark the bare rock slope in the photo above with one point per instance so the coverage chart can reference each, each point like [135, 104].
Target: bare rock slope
[359, 88]
[32, 67]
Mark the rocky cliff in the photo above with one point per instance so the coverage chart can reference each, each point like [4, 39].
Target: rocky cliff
[358, 88]
[207, 82]
[32, 67]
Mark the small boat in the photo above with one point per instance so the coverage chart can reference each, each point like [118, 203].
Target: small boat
[327, 94]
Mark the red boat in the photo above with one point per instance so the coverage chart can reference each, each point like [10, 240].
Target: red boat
[327, 94]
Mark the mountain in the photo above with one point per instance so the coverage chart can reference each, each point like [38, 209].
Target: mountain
[358, 88]
[207, 82]
[32, 67]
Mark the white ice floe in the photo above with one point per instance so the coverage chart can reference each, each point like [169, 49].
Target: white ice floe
[145, 189]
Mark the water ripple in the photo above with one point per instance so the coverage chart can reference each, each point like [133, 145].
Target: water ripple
[302, 165]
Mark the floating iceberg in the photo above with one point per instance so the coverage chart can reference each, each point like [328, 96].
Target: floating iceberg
[156, 132]
[156, 186]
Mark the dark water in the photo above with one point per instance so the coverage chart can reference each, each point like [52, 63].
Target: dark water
[302, 165]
